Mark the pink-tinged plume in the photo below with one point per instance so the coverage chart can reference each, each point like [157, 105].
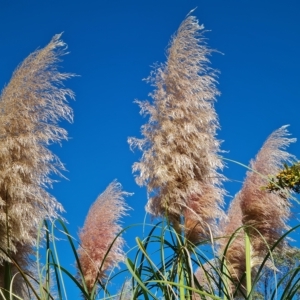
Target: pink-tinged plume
[180, 159]
[232, 243]
[264, 214]
[100, 229]
[267, 213]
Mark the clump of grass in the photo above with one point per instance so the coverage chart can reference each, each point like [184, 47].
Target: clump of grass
[180, 168]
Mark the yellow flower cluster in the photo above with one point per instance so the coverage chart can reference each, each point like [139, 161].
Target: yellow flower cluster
[288, 178]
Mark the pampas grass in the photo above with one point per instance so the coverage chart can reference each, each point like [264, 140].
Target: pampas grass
[180, 159]
[100, 250]
[266, 214]
[180, 168]
[263, 215]
[31, 105]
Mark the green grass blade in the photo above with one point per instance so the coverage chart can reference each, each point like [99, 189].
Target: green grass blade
[130, 267]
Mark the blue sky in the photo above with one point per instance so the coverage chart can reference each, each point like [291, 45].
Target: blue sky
[112, 46]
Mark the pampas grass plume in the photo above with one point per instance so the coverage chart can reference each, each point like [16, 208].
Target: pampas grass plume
[263, 214]
[232, 243]
[180, 151]
[267, 213]
[31, 105]
[99, 251]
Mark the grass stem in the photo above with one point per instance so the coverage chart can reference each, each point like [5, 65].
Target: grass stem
[248, 263]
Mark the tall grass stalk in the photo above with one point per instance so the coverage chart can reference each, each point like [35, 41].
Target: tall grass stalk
[248, 264]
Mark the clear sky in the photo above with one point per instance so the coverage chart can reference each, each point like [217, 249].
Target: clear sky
[112, 46]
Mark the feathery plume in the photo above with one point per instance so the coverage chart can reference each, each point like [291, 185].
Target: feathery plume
[98, 233]
[180, 151]
[235, 253]
[205, 275]
[31, 106]
[267, 213]
[126, 291]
